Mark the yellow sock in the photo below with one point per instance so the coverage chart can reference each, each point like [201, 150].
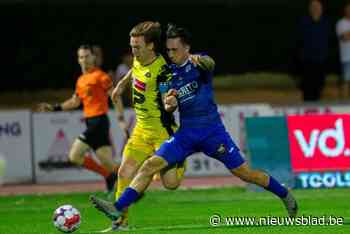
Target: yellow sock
[121, 186]
[156, 177]
[180, 170]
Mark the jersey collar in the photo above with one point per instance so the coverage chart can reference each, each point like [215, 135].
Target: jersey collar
[184, 64]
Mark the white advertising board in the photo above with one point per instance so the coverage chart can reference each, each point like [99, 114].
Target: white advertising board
[53, 135]
[15, 146]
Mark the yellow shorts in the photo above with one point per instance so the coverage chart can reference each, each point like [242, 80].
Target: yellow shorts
[144, 142]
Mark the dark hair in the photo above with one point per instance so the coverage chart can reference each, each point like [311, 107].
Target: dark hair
[86, 47]
[150, 30]
[174, 32]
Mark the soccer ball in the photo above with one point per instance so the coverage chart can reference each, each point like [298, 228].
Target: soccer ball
[66, 218]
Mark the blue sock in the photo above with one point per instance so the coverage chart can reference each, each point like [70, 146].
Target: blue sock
[128, 197]
[276, 188]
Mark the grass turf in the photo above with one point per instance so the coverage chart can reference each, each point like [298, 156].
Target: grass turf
[182, 211]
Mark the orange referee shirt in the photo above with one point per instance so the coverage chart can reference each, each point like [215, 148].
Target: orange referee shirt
[92, 89]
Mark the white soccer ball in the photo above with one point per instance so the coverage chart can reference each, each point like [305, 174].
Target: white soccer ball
[66, 218]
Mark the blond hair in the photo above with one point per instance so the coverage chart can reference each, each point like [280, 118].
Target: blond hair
[151, 31]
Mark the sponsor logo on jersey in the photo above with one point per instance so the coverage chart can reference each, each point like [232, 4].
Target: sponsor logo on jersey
[139, 85]
[148, 75]
[221, 151]
[188, 89]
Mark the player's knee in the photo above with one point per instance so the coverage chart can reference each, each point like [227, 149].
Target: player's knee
[104, 152]
[77, 152]
[75, 158]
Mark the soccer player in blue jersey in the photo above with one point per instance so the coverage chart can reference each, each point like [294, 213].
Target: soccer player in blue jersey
[201, 129]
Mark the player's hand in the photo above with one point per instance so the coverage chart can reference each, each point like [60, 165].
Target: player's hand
[194, 58]
[44, 107]
[170, 101]
[170, 98]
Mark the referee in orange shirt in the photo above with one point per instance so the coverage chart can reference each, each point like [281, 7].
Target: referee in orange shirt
[92, 90]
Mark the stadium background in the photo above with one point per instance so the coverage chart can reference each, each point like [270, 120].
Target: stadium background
[41, 36]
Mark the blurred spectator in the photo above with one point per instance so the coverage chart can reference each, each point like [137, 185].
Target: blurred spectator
[99, 59]
[121, 71]
[343, 33]
[97, 50]
[124, 66]
[313, 44]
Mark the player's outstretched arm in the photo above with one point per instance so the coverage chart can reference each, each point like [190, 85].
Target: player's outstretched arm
[119, 110]
[70, 104]
[119, 89]
[205, 62]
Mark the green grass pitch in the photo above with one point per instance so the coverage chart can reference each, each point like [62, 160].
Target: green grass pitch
[181, 211]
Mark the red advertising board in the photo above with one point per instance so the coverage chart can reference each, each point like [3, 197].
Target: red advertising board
[319, 142]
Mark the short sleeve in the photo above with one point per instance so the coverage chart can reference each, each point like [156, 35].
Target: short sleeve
[164, 87]
[106, 82]
[164, 79]
[77, 88]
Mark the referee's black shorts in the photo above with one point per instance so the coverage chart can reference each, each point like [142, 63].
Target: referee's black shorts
[96, 134]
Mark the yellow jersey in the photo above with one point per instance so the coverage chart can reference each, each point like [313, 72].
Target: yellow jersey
[147, 100]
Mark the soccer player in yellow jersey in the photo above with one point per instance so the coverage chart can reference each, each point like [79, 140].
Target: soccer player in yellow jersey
[153, 124]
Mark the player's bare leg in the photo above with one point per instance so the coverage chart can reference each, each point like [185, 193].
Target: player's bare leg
[144, 177]
[172, 177]
[138, 185]
[126, 173]
[105, 155]
[77, 155]
[264, 180]
[245, 173]
[77, 152]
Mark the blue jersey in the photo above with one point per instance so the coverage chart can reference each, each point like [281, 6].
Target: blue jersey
[194, 95]
[201, 129]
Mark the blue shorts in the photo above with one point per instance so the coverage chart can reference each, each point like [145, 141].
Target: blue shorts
[213, 141]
